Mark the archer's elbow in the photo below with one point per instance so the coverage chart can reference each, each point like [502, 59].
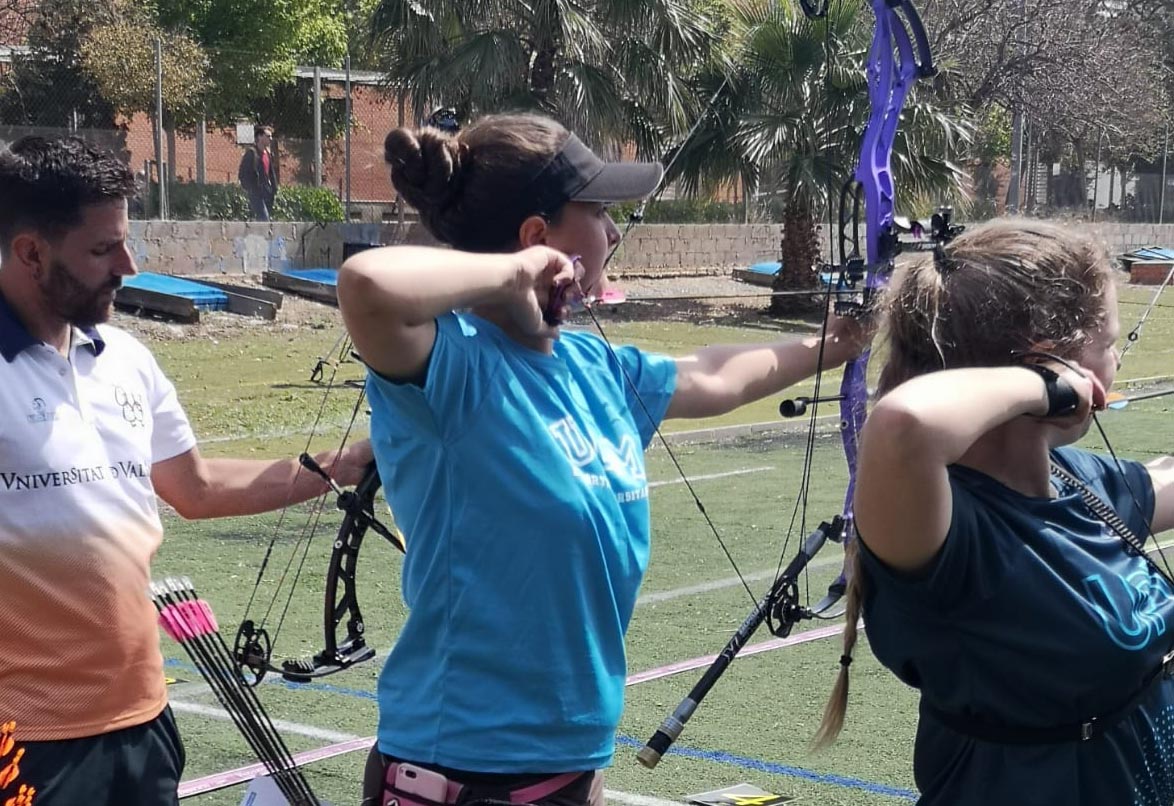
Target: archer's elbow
[189, 508]
[355, 285]
[896, 434]
[372, 289]
[700, 396]
[192, 501]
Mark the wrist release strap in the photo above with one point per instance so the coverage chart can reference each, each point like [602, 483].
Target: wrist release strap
[1062, 397]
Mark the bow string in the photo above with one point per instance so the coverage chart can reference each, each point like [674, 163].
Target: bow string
[253, 648]
[898, 56]
[1116, 401]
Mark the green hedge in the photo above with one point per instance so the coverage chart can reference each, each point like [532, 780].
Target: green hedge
[195, 202]
[681, 211]
[301, 203]
[192, 202]
[224, 202]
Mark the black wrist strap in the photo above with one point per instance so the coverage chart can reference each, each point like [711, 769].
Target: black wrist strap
[1062, 397]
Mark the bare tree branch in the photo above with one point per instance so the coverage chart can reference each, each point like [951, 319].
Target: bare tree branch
[1076, 68]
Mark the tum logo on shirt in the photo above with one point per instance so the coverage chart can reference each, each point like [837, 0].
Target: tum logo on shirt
[1129, 607]
[623, 462]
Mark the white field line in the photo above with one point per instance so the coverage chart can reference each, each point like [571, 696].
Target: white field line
[632, 799]
[769, 428]
[759, 576]
[216, 712]
[309, 731]
[323, 428]
[1138, 381]
[728, 582]
[711, 476]
[194, 787]
[1159, 550]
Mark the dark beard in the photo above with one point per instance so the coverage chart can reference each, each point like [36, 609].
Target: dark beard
[72, 300]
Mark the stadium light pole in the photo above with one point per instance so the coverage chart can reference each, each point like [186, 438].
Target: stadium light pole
[347, 128]
[1162, 187]
[1096, 177]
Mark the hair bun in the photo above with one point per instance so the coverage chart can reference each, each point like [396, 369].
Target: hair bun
[427, 167]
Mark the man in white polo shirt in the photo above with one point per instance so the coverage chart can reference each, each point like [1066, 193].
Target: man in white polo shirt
[90, 432]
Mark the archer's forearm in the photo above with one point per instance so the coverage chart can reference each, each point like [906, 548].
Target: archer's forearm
[942, 414]
[414, 284]
[1162, 477]
[719, 379]
[251, 486]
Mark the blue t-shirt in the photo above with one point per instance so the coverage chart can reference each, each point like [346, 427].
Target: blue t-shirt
[1033, 614]
[518, 480]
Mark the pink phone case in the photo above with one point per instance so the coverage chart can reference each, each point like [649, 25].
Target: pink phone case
[413, 780]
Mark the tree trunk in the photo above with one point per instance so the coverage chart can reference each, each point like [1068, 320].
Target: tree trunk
[800, 258]
[547, 42]
[542, 73]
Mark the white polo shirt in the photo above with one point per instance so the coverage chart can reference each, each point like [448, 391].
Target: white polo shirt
[79, 525]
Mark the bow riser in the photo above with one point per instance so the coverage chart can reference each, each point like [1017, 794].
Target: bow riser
[253, 647]
[893, 68]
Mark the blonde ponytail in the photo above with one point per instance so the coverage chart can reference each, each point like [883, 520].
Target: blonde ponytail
[837, 705]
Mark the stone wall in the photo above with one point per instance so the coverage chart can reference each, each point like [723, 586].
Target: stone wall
[215, 247]
[1122, 238]
[694, 246]
[234, 247]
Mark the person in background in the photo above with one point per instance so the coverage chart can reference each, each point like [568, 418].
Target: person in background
[258, 174]
[91, 433]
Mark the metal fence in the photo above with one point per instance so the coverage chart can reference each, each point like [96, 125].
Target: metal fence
[329, 125]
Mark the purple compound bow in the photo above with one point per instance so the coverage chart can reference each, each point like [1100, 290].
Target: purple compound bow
[899, 55]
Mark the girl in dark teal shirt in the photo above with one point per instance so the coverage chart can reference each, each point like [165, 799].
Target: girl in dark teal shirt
[986, 578]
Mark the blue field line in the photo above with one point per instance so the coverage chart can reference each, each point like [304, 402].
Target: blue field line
[279, 681]
[712, 756]
[745, 762]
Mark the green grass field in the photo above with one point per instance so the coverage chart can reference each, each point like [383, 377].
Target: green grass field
[249, 396]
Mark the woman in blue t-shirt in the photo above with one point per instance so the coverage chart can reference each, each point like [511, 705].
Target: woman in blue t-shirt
[993, 571]
[512, 455]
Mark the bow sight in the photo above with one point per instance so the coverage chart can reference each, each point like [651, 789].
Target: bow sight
[900, 236]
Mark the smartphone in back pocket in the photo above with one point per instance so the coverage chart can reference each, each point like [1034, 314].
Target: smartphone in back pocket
[413, 780]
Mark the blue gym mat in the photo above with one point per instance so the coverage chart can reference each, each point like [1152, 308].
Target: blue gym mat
[206, 298]
[771, 267]
[1150, 253]
[324, 276]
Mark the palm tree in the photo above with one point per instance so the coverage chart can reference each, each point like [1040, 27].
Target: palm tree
[614, 71]
[792, 101]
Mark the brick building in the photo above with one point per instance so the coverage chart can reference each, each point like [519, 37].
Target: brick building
[373, 112]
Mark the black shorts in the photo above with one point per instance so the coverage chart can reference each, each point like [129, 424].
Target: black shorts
[138, 766]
